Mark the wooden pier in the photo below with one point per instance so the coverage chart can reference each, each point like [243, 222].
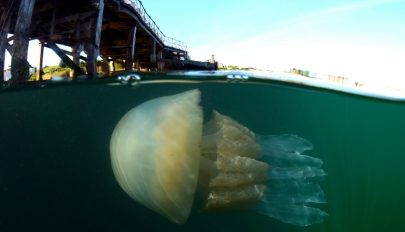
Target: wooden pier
[106, 31]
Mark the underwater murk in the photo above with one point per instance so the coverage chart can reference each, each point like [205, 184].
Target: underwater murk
[190, 155]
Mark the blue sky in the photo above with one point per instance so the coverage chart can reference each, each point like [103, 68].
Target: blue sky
[362, 40]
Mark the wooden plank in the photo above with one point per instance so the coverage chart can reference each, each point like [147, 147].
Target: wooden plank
[64, 57]
[19, 67]
[115, 47]
[131, 48]
[3, 46]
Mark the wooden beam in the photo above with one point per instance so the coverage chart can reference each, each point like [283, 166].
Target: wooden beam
[45, 6]
[120, 43]
[116, 25]
[71, 18]
[73, 54]
[11, 38]
[131, 48]
[64, 57]
[67, 52]
[116, 47]
[19, 67]
[3, 46]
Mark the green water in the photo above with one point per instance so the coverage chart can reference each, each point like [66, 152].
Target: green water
[55, 172]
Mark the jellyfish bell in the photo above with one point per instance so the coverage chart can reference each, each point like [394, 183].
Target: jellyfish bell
[155, 153]
[160, 151]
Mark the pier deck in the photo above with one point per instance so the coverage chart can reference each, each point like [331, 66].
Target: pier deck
[105, 30]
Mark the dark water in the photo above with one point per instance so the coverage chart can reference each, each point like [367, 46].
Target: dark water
[55, 171]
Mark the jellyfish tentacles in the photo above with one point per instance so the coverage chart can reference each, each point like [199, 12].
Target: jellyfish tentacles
[239, 175]
[246, 172]
[160, 151]
[293, 185]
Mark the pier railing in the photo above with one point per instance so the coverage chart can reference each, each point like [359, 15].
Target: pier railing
[169, 42]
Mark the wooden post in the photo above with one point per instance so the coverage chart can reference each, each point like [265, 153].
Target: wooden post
[19, 65]
[92, 54]
[3, 45]
[41, 59]
[137, 65]
[153, 54]
[93, 46]
[113, 66]
[110, 66]
[9, 48]
[161, 61]
[131, 48]
[76, 50]
[77, 47]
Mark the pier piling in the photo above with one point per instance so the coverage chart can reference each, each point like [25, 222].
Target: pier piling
[19, 64]
[131, 48]
[93, 45]
[153, 54]
[3, 42]
[40, 61]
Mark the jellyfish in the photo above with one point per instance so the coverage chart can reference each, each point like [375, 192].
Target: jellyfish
[164, 156]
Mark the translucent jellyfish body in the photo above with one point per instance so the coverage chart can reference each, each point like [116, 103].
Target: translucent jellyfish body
[160, 152]
[270, 173]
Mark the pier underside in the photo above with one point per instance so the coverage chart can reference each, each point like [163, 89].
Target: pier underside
[99, 32]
